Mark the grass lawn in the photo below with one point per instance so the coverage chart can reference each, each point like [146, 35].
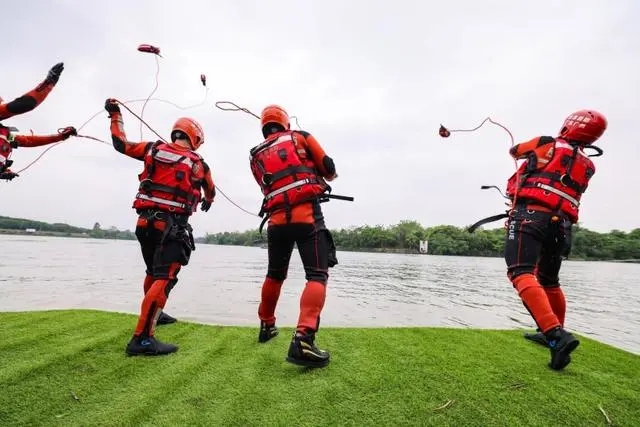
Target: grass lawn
[68, 368]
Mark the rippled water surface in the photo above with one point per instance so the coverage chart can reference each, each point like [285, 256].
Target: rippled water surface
[222, 285]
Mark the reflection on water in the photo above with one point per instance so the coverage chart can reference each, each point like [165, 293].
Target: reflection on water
[222, 285]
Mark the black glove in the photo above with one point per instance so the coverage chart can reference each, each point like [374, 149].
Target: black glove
[68, 132]
[111, 106]
[8, 175]
[54, 73]
[205, 206]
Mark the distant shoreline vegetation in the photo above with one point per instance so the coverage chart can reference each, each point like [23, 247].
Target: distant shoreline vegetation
[404, 237]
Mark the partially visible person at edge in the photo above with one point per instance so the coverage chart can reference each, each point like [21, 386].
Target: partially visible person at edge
[546, 200]
[10, 140]
[291, 168]
[171, 186]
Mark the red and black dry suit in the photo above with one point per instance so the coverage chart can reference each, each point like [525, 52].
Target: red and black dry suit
[546, 192]
[170, 189]
[10, 141]
[23, 104]
[290, 166]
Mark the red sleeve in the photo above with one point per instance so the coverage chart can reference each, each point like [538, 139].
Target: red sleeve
[36, 140]
[324, 163]
[26, 102]
[522, 150]
[203, 174]
[136, 150]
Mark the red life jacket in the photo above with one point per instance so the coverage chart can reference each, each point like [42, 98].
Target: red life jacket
[286, 176]
[5, 148]
[167, 182]
[560, 184]
[512, 184]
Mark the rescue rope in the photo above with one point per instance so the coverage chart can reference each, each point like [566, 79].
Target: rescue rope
[60, 131]
[151, 94]
[217, 187]
[156, 51]
[445, 133]
[145, 100]
[235, 107]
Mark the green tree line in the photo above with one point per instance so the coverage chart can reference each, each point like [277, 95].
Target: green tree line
[405, 237]
[20, 225]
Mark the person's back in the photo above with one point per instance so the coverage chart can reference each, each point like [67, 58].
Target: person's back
[291, 168]
[170, 181]
[304, 161]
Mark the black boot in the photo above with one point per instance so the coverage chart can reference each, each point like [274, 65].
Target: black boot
[267, 332]
[303, 352]
[537, 337]
[561, 344]
[139, 346]
[165, 319]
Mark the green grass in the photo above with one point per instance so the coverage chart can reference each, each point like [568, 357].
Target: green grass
[68, 368]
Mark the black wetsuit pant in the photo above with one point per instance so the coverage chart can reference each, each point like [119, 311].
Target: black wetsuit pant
[166, 242]
[318, 254]
[315, 246]
[165, 239]
[537, 241]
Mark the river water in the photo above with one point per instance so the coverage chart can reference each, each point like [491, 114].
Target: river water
[221, 285]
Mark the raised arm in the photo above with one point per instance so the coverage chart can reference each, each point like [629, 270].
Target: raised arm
[39, 140]
[33, 98]
[522, 150]
[136, 150]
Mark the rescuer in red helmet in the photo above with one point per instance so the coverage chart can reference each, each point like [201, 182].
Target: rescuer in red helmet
[545, 194]
[291, 167]
[171, 186]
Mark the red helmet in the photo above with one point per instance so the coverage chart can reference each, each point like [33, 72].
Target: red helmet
[274, 115]
[189, 128]
[584, 126]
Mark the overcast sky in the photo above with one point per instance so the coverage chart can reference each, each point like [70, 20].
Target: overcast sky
[372, 80]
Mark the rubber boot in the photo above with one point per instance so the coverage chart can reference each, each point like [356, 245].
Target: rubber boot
[537, 337]
[561, 344]
[165, 319]
[267, 332]
[303, 352]
[140, 346]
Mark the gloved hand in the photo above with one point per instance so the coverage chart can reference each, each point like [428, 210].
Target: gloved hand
[8, 175]
[111, 106]
[54, 73]
[205, 205]
[68, 132]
